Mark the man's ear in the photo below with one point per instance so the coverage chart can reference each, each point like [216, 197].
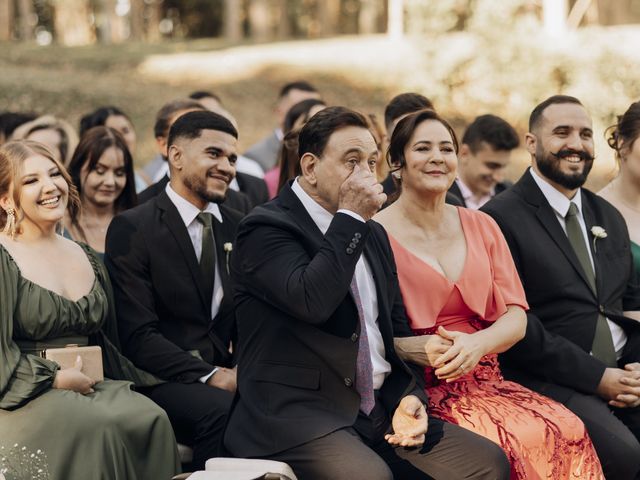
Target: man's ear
[308, 164]
[161, 146]
[174, 156]
[464, 153]
[530, 142]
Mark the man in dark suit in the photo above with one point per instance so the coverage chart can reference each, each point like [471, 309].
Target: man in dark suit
[165, 118]
[316, 293]
[168, 260]
[484, 155]
[572, 251]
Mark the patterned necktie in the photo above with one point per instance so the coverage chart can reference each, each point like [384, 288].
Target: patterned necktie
[364, 368]
[602, 347]
[208, 255]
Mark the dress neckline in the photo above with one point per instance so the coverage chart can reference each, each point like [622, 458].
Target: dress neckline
[56, 294]
[440, 274]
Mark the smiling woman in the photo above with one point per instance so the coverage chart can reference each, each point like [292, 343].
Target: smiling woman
[102, 169]
[95, 423]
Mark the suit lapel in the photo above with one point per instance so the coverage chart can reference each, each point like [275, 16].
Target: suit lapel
[549, 221]
[174, 223]
[223, 234]
[378, 279]
[289, 201]
[590, 222]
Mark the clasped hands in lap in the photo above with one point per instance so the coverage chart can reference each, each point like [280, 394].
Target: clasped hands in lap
[621, 387]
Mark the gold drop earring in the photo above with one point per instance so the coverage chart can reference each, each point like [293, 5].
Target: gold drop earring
[10, 225]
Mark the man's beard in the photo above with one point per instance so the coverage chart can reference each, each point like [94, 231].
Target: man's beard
[199, 186]
[549, 165]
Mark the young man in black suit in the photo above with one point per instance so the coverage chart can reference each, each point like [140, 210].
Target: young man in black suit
[485, 153]
[168, 260]
[572, 251]
[316, 293]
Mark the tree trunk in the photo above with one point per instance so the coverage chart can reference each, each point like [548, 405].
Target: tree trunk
[155, 16]
[284, 23]
[25, 14]
[328, 17]
[260, 20]
[136, 20]
[368, 17]
[395, 21]
[71, 22]
[232, 20]
[614, 12]
[6, 20]
[555, 16]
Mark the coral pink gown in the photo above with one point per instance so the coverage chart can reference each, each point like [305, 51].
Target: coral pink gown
[542, 438]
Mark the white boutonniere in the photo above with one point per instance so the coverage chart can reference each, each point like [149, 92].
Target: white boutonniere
[228, 248]
[597, 232]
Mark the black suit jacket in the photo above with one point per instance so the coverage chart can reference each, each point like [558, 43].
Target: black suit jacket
[298, 326]
[164, 320]
[253, 187]
[455, 190]
[236, 200]
[564, 310]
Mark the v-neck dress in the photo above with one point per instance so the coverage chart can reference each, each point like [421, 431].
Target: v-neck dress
[54, 434]
[542, 438]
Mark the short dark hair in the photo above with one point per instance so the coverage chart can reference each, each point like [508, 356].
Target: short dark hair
[315, 134]
[404, 104]
[300, 109]
[190, 125]
[99, 117]
[199, 94]
[536, 113]
[9, 121]
[161, 127]
[492, 130]
[298, 85]
[91, 147]
[404, 131]
[626, 130]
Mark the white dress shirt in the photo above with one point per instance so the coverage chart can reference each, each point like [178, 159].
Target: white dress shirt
[560, 205]
[470, 199]
[189, 213]
[365, 282]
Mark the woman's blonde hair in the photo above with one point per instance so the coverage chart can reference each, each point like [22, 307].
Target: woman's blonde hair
[12, 157]
[68, 136]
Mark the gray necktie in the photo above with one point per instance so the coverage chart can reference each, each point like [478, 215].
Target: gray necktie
[208, 255]
[602, 347]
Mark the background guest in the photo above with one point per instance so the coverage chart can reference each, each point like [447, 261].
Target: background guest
[55, 133]
[484, 155]
[9, 121]
[102, 170]
[474, 310]
[54, 292]
[624, 191]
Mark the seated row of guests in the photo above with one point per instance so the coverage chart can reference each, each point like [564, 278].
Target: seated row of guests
[319, 371]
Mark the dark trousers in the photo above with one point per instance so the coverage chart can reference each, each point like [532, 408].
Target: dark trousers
[198, 414]
[614, 431]
[449, 452]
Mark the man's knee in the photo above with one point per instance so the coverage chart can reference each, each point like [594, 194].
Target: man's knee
[621, 460]
[498, 466]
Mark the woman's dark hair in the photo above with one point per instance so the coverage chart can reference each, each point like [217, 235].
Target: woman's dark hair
[91, 147]
[99, 117]
[298, 111]
[622, 135]
[289, 160]
[403, 132]
[9, 121]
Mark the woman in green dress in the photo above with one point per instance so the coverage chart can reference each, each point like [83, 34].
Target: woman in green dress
[624, 191]
[58, 424]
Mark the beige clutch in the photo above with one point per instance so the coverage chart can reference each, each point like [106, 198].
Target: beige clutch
[91, 359]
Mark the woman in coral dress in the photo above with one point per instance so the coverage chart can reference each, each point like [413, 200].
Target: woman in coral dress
[465, 304]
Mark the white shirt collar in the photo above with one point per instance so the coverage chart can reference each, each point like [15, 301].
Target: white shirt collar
[317, 212]
[187, 210]
[557, 200]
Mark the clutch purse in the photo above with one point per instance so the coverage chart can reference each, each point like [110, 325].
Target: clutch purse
[91, 359]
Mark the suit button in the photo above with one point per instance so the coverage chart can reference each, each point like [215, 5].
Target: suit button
[354, 337]
[355, 240]
[352, 245]
[349, 251]
[348, 382]
[357, 235]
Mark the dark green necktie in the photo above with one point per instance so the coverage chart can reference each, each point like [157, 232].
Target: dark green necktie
[208, 255]
[602, 347]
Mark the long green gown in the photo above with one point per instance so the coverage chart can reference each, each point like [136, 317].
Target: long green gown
[52, 434]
